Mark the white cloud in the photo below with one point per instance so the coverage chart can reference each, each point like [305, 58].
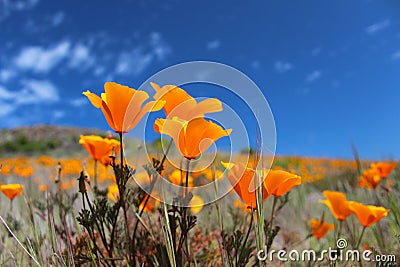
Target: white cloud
[37, 91]
[396, 55]
[32, 92]
[379, 26]
[6, 75]
[134, 62]
[58, 114]
[138, 59]
[8, 6]
[316, 74]
[282, 67]
[213, 45]
[99, 70]
[57, 19]
[78, 102]
[316, 51]
[80, 57]
[6, 95]
[40, 59]
[159, 47]
[6, 109]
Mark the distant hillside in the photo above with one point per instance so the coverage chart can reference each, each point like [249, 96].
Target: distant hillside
[44, 139]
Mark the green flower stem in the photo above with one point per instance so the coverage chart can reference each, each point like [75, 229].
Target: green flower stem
[361, 236]
[95, 174]
[272, 214]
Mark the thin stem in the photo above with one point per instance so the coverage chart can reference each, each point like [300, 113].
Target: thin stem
[272, 214]
[95, 174]
[147, 197]
[187, 179]
[153, 182]
[361, 236]
[247, 235]
[122, 188]
[186, 208]
[121, 151]
[19, 243]
[339, 230]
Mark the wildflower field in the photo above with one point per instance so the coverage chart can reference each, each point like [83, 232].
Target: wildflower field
[107, 207]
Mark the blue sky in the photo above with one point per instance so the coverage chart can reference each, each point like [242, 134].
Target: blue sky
[330, 70]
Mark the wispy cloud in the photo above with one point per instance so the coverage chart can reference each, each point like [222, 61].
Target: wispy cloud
[78, 102]
[316, 51]
[282, 67]
[37, 91]
[80, 57]
[6, 75]
[138, 59]
[30, 93]
[158, 46]
[215, 44]
[396, 55]
[57, 19]
[134, 61]
[6, 109]
[58, 114]
[40, 59]
[377, 27]
[315, 75]
[9, 6]
[5, 94]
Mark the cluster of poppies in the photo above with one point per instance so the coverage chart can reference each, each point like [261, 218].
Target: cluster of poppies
[192, 134]
[372, 176]
[341, 209]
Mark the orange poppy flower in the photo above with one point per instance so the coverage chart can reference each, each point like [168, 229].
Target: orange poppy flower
[320, 228]
[279, 182]
[180, 104]
[367, 215]
[337, 203]
[100, 148]
[151, 204]
[113, 192]
[370, 178]
[148, 208]
[178, 177]
[43, 187]
[211, 175]
[241, 206]
[191, 137]
[196, 204]
[123, 106]
[11, 190]
[383, 168]
[244, 183]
